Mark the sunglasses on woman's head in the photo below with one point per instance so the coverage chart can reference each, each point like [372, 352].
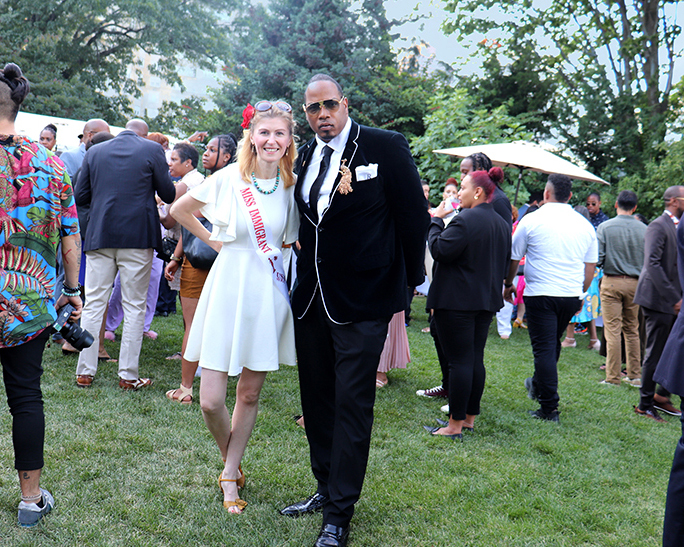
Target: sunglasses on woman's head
[331, 105]
[265, 106]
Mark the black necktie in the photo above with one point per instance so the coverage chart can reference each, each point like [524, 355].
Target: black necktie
[316, 186]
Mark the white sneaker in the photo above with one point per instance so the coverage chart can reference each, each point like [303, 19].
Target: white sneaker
[30, 513]
[445, 409]
[437, 391]
[634, 382]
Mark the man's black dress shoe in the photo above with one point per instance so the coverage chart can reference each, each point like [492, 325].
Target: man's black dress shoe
[332, 536]
[309, 505]
[547, 416]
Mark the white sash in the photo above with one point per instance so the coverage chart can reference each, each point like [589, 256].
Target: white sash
[262, 239]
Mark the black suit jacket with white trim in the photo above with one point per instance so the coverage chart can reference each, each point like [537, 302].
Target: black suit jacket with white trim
[369, 244]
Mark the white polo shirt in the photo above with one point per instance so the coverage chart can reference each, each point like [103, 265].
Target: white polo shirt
[557, 242]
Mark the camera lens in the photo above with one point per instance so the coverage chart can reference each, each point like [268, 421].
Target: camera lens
[76, 336]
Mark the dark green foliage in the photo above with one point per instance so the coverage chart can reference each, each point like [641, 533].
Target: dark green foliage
[277, 50]
[605, 70]
[82, 55]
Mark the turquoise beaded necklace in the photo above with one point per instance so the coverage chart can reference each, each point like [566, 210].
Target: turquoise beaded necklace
[266, 192]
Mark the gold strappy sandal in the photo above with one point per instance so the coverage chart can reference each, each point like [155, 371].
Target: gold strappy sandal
[240, 504]
[240, 481]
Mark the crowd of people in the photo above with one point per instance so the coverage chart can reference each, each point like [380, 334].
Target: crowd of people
[305, 257]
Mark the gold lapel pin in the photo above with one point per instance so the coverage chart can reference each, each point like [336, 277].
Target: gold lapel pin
[344, 187]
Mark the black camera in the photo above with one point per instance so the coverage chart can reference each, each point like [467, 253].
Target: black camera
[71, 332]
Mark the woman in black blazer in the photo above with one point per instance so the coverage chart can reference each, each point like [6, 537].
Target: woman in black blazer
[472, 255]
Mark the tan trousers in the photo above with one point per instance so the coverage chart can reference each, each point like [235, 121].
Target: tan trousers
[620, 315]
[134, 266]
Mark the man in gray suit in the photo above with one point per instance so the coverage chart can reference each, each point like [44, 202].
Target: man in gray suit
[660, 297]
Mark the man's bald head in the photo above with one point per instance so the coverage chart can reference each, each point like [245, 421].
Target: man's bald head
[139, 127]
[674, 200]
[673, 192]
[96, 125]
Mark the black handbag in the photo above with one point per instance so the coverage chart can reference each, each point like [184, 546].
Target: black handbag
[168, 248]
[200, 255]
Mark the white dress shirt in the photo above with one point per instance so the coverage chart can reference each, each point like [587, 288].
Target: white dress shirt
[557, 242]
[338, 145]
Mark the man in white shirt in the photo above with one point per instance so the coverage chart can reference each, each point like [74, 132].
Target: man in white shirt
[562, 251]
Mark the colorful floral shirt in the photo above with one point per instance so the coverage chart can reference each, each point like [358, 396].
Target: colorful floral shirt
[36, 209]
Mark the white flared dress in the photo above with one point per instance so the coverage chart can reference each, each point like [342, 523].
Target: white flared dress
[242, 318]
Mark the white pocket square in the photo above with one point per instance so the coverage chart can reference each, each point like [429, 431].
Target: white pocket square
[365, 172]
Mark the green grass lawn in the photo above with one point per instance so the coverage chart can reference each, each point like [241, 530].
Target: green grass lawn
[134, 469]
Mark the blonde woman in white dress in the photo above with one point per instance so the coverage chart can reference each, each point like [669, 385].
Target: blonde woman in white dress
[243, 324]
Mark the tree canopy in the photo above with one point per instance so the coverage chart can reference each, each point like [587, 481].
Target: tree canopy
[454, 120]
[78, 54]
[609, 64]
[277, 48]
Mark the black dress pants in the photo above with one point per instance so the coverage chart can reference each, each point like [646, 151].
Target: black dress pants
[658, 327]
[443, 361]
[337, 366]
[166, 301]
[463, 335]
[547, 319]
[673, 527]
[21, 370]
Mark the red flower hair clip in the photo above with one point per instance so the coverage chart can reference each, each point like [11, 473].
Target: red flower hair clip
[247, 115]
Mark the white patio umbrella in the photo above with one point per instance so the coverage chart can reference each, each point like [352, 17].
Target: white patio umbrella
[524, 155]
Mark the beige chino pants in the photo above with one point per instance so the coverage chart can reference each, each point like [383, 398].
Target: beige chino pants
[134, 267]
[620, 315]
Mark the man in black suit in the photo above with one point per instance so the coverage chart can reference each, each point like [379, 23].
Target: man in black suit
[118, 180]
[660, 297]
[362, 236]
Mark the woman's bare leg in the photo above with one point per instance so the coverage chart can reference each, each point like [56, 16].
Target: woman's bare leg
[231, 438]
[188, 368]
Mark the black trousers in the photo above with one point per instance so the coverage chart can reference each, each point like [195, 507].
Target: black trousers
[21, 370]
[443, 361]
[673, 527]
[337, 366]
[547, 319]
[658, 327]
[463, 335]
[166, 301]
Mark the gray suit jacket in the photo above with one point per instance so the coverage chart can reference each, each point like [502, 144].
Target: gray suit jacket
[659, 287]
[670, 370]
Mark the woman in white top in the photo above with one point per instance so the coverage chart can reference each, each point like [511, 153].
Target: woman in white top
[243, 323]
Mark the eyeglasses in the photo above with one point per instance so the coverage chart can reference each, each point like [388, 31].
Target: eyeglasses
[265, 106]
[331, 105]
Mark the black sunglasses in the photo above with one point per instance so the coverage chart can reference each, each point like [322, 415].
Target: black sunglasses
[265, 106]
[331, 105]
